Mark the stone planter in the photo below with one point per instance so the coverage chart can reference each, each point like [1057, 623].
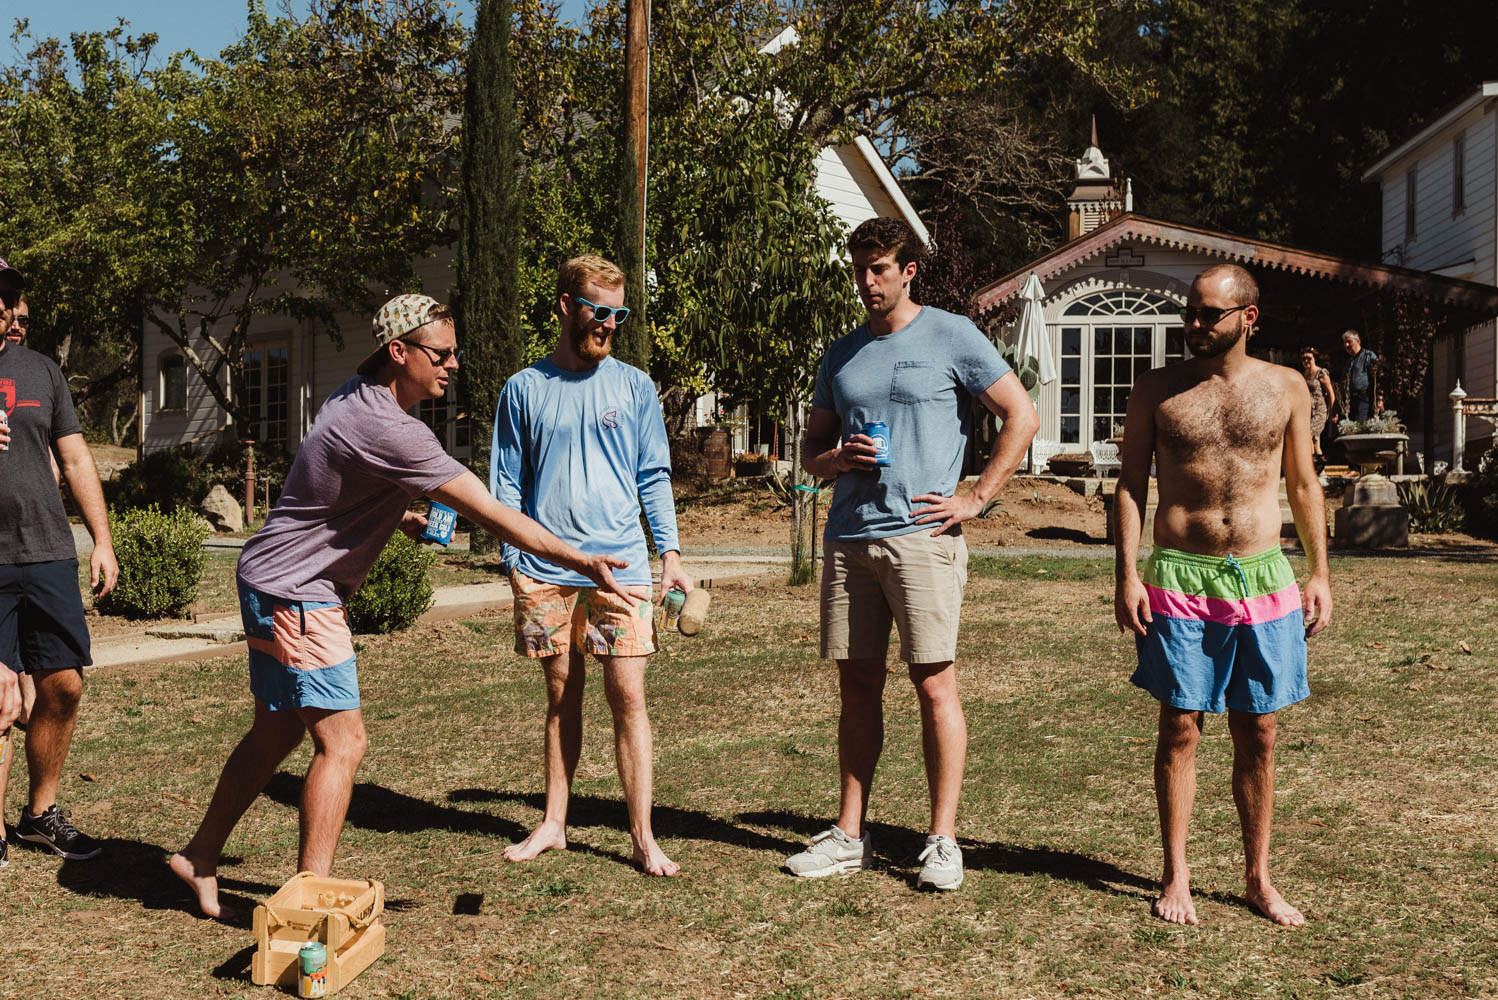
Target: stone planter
[1386, 449]
[744, 470]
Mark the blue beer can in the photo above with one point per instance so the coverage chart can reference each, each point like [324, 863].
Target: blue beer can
[878, 431]
[441, 520]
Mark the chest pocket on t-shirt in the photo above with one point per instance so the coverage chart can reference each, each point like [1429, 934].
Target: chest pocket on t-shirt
[915, 382]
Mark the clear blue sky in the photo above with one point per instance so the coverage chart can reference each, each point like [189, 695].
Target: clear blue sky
[203, 25]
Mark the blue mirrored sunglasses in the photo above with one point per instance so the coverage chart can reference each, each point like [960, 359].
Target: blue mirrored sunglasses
[601, 314]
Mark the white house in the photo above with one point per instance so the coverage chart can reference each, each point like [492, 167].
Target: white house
[1439, 196]
[1113, 294]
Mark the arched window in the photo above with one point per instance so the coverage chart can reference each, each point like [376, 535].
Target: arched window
[173, 382]
[1107, 340]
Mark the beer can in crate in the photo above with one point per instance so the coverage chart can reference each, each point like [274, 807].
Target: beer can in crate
[4, 422]
[878, 432]
[313, 980]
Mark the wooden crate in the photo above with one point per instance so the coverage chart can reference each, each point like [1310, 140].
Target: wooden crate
[344, 914]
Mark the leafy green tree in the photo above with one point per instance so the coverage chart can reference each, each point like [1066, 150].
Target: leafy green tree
[80, 131]
[303, 171]
[489, 241]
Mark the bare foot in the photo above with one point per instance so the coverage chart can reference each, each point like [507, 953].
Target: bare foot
[204, 887]
[1268, 901]
[548, 836]
[653, 861]
[1174, 905]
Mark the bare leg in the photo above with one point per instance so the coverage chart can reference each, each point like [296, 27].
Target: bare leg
[49, 733]
[338, 744]
[624, 685]
[860, 737]
[28, 698]
[7, 751]
[943, 740]
[562, 745]
[272, 736]
[1253, 792]
[1175, 792]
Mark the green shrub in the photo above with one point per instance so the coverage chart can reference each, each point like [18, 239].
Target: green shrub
[180, 477]
[1434, 508]
[161, 561]
[166, 479]
[396, 592]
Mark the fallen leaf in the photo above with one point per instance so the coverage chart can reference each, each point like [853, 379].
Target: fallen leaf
[1425, 657]
[1437, 666]
[485, 977]
[1464, 647]
[196, 720]
[1377, 645]
[86, 776]
[1414, 687]
[1317, 822]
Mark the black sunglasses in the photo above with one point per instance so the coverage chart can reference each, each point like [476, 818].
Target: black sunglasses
[23, 322]
[439, 355]
[1210, 315]
[601, 314]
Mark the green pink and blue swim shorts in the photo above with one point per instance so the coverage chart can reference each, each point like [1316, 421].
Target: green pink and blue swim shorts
[1227, 633]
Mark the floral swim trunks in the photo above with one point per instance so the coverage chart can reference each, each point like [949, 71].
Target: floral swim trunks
[551, 618]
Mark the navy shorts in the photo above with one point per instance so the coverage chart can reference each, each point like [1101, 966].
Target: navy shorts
[41, 617]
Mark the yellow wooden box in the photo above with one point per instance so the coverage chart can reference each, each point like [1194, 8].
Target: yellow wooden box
[344, 914]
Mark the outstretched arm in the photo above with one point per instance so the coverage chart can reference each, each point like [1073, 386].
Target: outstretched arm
[1308, 506]
[467, 496]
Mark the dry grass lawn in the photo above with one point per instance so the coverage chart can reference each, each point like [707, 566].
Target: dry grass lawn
[1387, 828]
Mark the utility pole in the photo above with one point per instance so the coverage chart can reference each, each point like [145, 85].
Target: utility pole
[635, 347]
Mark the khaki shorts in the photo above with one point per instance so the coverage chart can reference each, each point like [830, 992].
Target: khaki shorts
[912, 580]
[552, 619]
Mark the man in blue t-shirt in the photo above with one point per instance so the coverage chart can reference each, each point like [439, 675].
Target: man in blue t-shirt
[580, 445]
[894, 546]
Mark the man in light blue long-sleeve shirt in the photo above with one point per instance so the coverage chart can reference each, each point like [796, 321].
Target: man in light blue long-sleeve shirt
[580, 445]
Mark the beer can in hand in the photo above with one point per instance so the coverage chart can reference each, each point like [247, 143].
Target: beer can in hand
[675, 598]
[878, 432]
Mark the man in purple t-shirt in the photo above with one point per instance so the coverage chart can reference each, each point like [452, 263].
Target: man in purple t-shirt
[365, 459]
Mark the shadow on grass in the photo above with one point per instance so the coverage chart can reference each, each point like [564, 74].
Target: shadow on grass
[667, 821]
[900, 846]
[1066, 535]
[132, 869]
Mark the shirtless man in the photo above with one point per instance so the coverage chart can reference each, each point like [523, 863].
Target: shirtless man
[1216, 613]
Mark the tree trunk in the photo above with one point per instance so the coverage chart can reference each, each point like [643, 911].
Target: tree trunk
[801, 552]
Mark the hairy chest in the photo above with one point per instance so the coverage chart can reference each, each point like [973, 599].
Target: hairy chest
[1218, 419]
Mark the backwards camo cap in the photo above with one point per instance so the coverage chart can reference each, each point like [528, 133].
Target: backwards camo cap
[395, 319]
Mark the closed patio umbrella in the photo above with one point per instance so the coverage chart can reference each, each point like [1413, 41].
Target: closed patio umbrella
[1032, 341]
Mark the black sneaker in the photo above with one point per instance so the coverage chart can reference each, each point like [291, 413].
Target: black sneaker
[52, 830]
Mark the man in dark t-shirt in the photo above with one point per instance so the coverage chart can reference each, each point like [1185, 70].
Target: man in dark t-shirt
[41, 612]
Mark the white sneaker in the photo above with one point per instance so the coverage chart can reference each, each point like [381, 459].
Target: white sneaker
[830, 852]
[941, 864]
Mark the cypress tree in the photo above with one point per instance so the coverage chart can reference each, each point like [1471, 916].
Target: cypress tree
[489, 236]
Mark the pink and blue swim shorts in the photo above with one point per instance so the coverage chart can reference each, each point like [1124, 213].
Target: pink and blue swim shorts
[301, 652]
[1227, 633]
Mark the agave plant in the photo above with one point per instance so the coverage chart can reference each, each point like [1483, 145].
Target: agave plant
[1027, 368]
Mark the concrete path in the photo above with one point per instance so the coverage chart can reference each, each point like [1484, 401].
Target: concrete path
[223, 636]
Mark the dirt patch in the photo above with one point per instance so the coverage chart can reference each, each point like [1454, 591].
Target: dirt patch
[1029, 513]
